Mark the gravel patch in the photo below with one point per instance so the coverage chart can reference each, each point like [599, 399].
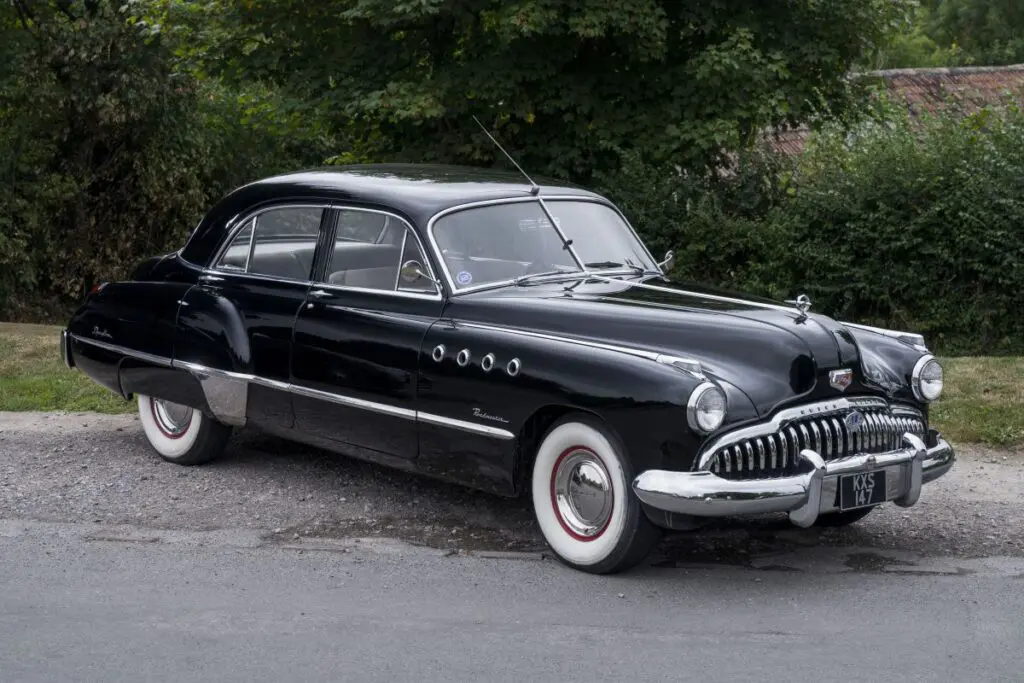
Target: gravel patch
[98, 469]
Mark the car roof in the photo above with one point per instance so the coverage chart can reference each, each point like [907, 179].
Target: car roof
[417, 191]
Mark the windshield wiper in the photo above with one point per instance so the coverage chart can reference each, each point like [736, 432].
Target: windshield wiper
[523, 279]
[608, 265]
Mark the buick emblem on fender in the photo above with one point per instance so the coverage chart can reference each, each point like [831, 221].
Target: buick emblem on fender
[853, 421]
[840, 379]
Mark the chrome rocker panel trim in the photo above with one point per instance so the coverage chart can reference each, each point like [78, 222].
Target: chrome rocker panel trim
[804, 497]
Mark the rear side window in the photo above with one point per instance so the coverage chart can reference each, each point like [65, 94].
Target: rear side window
[276, 243]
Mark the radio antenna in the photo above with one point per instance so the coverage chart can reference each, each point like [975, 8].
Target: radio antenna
[535, 191]
[534, 187]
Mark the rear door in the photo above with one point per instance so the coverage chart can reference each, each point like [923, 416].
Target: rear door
[240, 317]
[358, 336]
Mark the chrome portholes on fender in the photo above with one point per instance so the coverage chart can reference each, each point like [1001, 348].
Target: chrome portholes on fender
[487, 362]
[513, 367]
[438, 353]
[463, 358]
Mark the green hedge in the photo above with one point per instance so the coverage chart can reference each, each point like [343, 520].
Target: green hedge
[912, 224]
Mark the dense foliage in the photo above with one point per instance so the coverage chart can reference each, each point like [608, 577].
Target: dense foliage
[121, 121]
[569, 84]
[108, 151]
[909, 224]
[957, 33]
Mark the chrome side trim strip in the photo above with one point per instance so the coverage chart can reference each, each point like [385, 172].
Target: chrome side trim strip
[148, 357]
[340, 399]
[430, 418]
[687, 364]
[351, 402]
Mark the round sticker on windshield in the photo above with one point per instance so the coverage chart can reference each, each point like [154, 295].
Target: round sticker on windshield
[464, 278]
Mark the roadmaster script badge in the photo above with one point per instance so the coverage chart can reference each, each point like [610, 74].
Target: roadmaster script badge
[840, 379]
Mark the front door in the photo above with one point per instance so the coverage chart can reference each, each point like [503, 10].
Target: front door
[358, 336]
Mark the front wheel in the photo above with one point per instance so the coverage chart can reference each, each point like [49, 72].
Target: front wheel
[181, 434]
[583, 501]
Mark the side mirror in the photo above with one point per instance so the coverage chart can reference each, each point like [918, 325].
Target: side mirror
[669, 262]
[412, 271]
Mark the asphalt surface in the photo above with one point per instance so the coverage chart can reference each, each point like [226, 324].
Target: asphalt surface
[221, 607]
[280, 562]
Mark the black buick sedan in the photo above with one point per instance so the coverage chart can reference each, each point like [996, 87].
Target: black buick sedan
[516, 338]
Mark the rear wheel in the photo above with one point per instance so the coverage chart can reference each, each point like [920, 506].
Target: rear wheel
[583, 501]
[836, 519]
[181, 434]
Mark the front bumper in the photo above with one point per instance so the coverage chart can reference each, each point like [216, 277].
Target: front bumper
[804, 497]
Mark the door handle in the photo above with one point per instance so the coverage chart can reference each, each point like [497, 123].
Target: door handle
[319, 294]
[206, 277]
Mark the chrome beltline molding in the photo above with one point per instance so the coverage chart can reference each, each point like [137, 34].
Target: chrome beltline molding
[339, 399]
[773, 424]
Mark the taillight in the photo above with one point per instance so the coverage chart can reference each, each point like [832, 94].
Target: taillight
[96, 288]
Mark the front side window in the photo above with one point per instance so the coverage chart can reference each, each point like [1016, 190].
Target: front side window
[377, 251]
[275, 243]
[500, 242]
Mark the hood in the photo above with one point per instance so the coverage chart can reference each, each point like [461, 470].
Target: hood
[773, 355]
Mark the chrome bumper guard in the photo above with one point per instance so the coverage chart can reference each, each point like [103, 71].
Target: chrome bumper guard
[804, 497]
[65, 349]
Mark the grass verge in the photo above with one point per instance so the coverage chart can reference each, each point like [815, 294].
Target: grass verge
[983, 401]
[33, 377]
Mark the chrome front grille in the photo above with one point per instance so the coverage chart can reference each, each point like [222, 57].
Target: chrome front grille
[771, 449]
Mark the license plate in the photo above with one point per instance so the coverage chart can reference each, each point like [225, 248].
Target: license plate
[861, 490]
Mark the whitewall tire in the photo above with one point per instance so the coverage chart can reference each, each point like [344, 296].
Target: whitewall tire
[583, 501]
[180, 434]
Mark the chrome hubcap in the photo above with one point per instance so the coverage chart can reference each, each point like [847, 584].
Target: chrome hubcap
[173, 418]
[583, 493]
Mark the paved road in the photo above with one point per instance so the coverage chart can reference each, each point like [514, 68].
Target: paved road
[283, 563]
[222, 606]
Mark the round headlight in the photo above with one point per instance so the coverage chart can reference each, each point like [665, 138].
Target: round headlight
[705, 411]
[926, 379]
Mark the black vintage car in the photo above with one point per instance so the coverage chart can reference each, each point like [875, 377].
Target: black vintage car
[516, 338]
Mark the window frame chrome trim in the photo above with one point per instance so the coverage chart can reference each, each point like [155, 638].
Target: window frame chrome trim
[593, 199]
[437, 294]
[773, 424]
[239, 225]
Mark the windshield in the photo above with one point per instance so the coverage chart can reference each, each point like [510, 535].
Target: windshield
[502, 242]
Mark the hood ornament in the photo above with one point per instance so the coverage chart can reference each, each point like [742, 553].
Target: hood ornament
[802, 304]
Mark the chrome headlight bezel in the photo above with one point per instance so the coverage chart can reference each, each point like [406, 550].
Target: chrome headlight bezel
[919, 386]
[696, 417]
